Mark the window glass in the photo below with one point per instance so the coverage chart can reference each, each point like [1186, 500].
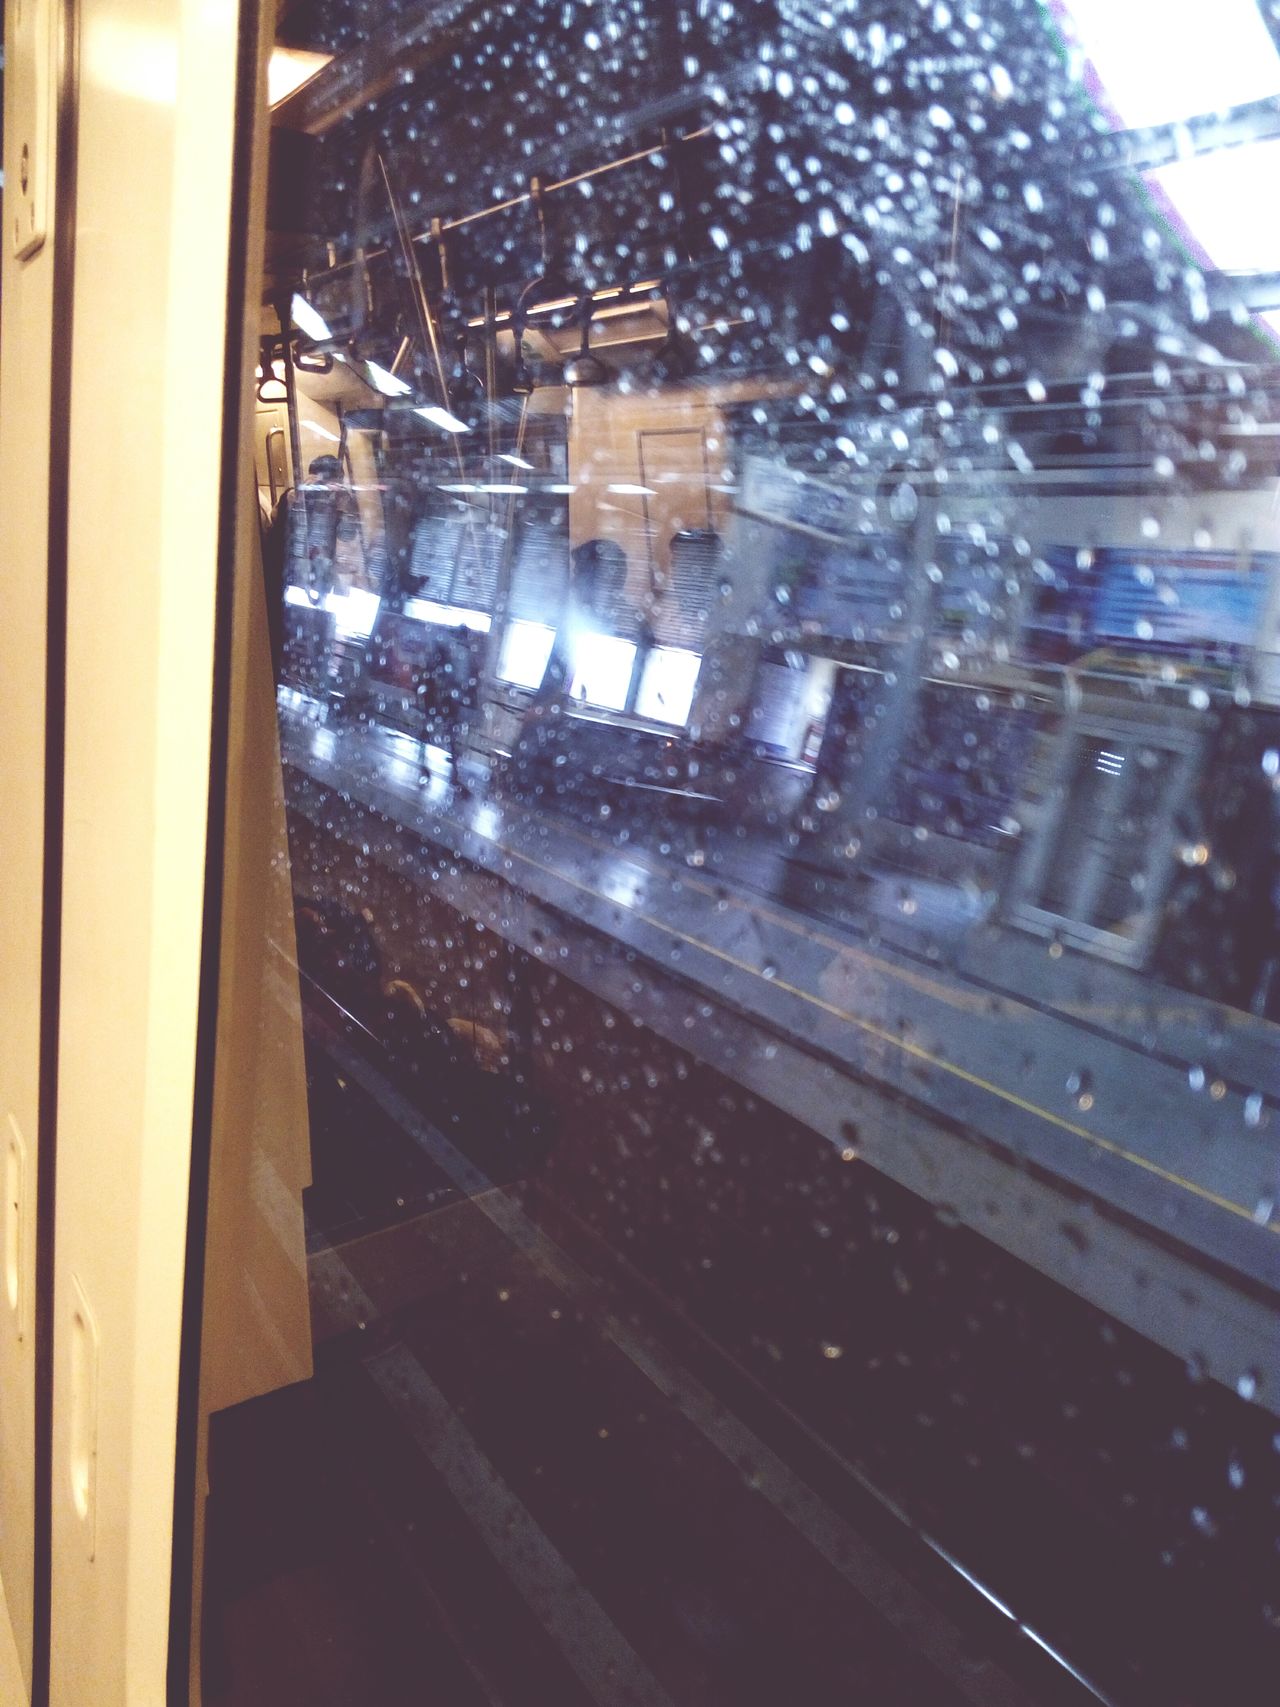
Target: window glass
[667, 685]
[772, 555]
[526, 652]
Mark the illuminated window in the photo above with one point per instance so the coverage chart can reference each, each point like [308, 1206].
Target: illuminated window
[666, 687]
[602, 670]
[354, 612]
[449, 616]
[526, 649]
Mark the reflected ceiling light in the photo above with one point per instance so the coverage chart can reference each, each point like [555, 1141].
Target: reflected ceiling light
[387, 383]
[307, 320]
[289, 68]
[1177, 59]
[626, 489]
[515, 461]
[1219, 198]
[441, 418]
[459, 486]
[560, 303]
[322, 432]
[562, 488]
[486, 819]
[499, 487]
[627, 889]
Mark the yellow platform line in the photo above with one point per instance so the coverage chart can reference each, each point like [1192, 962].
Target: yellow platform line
[761, 910]
[915, 1050]
[867, 1027]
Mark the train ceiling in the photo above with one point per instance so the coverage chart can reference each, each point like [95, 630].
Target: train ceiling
[994, 193]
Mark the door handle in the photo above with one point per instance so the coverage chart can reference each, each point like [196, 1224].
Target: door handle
[275, 433]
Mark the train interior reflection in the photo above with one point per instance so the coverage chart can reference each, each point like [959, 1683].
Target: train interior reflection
[781, 743]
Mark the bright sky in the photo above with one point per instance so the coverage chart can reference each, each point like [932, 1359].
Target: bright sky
[1161, 60]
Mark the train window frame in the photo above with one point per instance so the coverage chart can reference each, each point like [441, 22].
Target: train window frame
[743, 1104]
[1184, 747]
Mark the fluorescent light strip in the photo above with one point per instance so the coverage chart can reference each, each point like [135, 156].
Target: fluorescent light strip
[387, 383]
[441, 418]
[308, 320]
[561, 302]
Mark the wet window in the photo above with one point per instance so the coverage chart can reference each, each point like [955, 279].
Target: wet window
[756, 1174]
